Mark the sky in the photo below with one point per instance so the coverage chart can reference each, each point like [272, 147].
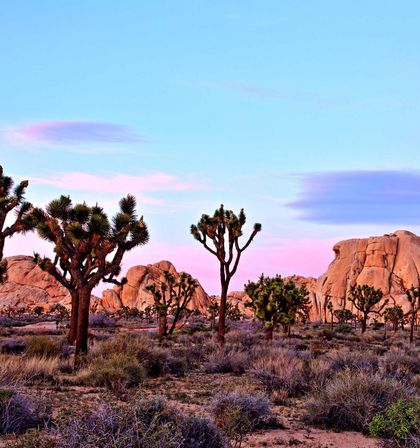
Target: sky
[304, 113]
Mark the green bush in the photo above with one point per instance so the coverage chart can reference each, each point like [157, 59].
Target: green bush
[116, 372]
[400, 423]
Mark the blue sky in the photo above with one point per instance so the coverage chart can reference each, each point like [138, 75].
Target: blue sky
[305, 113]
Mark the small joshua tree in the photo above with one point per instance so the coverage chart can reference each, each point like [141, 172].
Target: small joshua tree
[213, 310]
[83, 240]
[395, 315]
[330, 308]
[223, 231]
[343, 316]
[277, 302]
[12, 200]
[413, 296]
[172, 297]
[364, 299]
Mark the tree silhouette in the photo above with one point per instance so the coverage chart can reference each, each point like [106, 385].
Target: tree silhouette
[83, 240]
[413, 296]
[12, 199]
[223, 231]
[364, 299]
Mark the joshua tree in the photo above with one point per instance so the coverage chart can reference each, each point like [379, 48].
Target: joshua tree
[413, 296]
[395, 315]
[330, 308]
[12, 199]
[276, 301]
[83, 240]
[224, 230]
[172, 297]
[344, 315]
[364, 299]
[213, 309]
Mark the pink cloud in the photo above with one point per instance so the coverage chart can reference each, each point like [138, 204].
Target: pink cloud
[76, 132]
[118, 183]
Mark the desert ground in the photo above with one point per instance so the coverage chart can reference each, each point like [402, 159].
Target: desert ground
[319, 388]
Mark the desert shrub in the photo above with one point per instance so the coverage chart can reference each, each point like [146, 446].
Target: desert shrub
[16, 413]
[402, 364]
[352, 398]
[101, 320]
[399, 423]
[42, 346]
[344, 328]
[116, 372]
[6, 321]
[149, 424]
[345, 359]
[237, 414]
[13, 346]
[227, 360]
[200, 432]
[282, 370]
[33, 438]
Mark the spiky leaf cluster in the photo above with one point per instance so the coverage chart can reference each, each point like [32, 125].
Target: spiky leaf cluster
[83, 237]
[12, 199]
[278, 301]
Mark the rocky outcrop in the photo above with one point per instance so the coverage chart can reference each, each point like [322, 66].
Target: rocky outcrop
[28, 286]
[134, 295]
[311, 285]
[390, 262]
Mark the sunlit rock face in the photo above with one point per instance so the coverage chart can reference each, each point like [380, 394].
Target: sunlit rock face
[134, 295]
[390, 262]
[28, 286]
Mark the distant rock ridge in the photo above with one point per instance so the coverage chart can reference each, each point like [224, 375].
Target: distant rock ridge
[390, 262]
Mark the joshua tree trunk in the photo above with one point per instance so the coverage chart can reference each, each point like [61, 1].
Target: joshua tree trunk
[364, 323]
[163, 326]
[222, 312]
[73, 317]
[412, 322]
[82, 323]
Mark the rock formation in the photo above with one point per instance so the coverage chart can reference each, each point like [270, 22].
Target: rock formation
[28, 286]
[390, 262]
[134, 295]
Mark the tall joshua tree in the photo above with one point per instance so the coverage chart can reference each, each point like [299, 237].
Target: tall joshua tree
[364, 299]
[88, 249]
[12, 199]
[220, 234]
[413, 296]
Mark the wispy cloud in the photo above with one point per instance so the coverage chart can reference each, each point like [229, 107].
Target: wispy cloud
[360, 197]
[75, 132]
[118, 183]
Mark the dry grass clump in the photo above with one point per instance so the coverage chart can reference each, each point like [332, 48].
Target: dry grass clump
[15, 369]
[228, 359]
[116, 372]
[239, 414]
[350, 400]
[282, 370]
[42, 347]
[402, 363]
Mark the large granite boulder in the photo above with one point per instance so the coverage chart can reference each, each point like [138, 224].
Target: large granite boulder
[134, 295]
[28, 286]
[390, 262]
